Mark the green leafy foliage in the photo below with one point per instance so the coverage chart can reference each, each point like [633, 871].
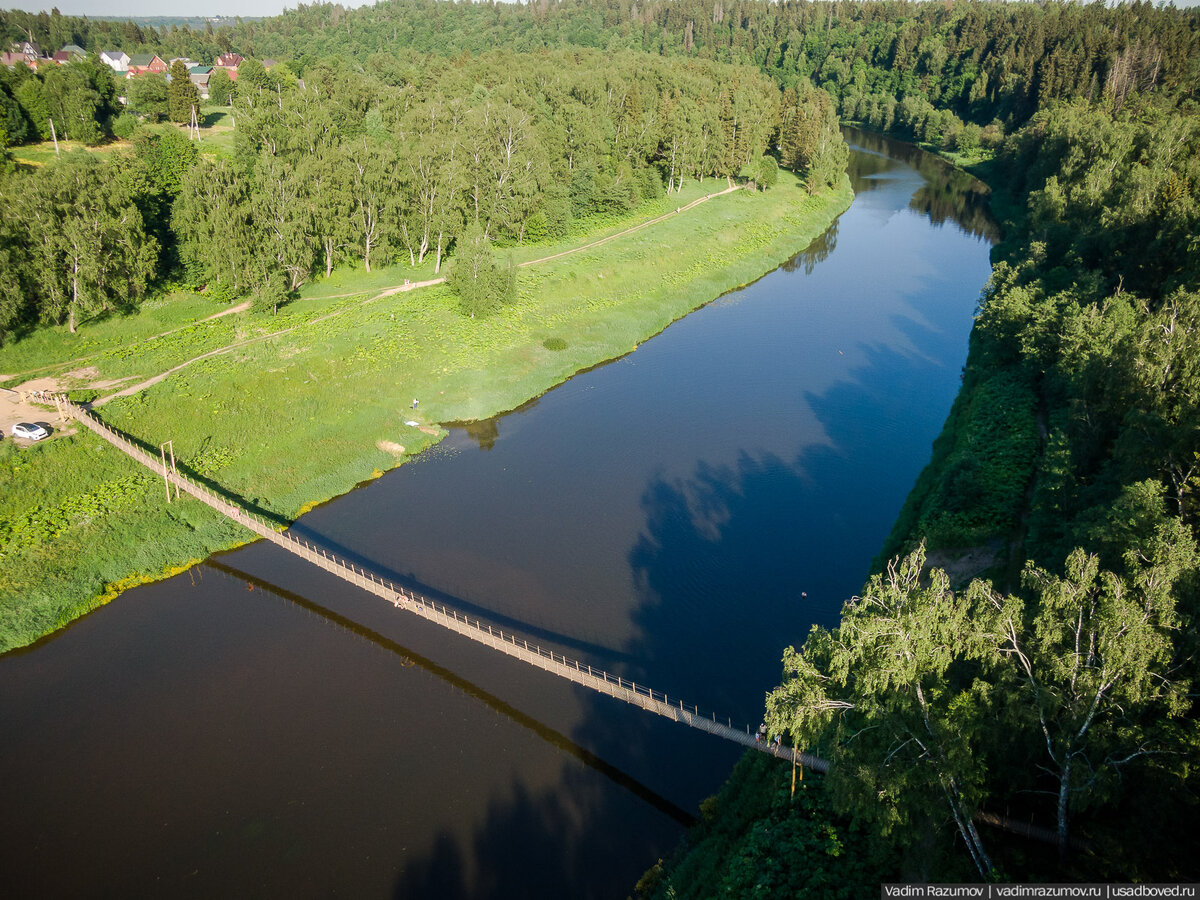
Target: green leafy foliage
[810, 143]
[924, 697]
[985, 476]
[480, 281]
[147, 97]
[758, 839]
[86, 239]
[220, 87]
[40, 524]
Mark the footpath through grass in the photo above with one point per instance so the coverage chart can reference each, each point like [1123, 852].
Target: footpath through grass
[291, 420]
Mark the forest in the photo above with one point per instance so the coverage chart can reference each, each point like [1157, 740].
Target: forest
[363, 165]
[1057, 686]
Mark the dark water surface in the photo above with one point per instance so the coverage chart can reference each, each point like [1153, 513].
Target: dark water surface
[258, 728]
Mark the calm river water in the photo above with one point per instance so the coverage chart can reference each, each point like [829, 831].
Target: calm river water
[257, 728]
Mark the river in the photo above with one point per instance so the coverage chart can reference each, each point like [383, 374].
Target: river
[257, 728]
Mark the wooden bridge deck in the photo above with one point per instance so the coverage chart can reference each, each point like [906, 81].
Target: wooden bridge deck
[475, 629]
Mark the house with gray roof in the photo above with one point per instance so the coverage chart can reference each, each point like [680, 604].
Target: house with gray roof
[117, 60]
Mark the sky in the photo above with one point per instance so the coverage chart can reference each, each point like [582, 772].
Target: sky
[128, 8]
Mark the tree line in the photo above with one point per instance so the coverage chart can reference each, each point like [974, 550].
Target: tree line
[952, 75]
[394, 160]
[1061, 689]
[78, 102]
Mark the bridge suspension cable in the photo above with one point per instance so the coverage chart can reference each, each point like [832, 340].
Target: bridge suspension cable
[475, 629]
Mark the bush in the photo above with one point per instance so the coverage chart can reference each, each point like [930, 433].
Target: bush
[476, 276]
[125, 125]
[537, 228]
[982, 489]
[221, 292]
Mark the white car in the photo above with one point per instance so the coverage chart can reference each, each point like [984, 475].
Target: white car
[30, 431]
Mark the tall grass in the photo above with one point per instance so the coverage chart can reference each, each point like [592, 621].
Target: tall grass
[296, 418]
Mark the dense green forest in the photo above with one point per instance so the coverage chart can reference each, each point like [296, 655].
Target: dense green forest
[364, 165]
[1061, 691]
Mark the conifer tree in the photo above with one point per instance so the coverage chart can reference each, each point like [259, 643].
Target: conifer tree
[182, 95]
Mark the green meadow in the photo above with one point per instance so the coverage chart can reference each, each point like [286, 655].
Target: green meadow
[215, 138]
[294, 409]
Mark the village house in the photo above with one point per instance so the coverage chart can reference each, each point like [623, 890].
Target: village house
[24, 52]
[117, 60]
[145, 63]
[229, 62]
[69, 53]
[200, 76]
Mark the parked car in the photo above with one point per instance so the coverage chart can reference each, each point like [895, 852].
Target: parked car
[30, 431]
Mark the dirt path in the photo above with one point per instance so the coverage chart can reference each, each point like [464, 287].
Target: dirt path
[387, 292]
[241, 307]
[408, 286]
[646, 224]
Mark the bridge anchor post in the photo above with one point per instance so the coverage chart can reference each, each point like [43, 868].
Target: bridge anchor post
[162, 449]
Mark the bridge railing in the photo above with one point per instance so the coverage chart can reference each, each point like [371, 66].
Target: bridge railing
[477, 629]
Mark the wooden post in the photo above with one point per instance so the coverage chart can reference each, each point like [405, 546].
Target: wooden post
[54, 136]
[162, 452]
[162, 449]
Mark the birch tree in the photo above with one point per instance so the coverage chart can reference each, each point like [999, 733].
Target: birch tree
[283, 215]
[884, 695]
[372, 188]
[87, 240]
[326, 176]
[479, 280]
[218, 241]
[1095, 664]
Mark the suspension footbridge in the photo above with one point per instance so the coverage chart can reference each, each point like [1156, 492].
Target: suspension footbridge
[472, 628]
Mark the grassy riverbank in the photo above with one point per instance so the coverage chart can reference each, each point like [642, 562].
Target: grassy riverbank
[307, 404]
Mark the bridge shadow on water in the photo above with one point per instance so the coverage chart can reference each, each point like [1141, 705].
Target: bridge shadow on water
[411, 657]
[530, 842]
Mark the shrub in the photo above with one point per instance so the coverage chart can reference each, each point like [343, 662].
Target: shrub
[476, 276]
[125, 125]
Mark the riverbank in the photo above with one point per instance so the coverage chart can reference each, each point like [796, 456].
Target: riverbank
[323, 402]
[755, 834]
